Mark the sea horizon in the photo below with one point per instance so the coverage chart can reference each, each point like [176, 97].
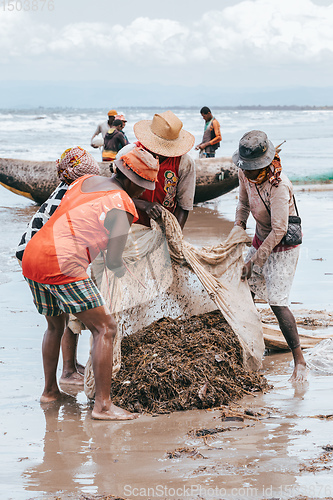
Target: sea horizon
[42, 133]
[273, 107]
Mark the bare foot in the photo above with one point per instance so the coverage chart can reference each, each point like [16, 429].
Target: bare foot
[300, 374]
[74, 378]
[50, 397]
[113, 413]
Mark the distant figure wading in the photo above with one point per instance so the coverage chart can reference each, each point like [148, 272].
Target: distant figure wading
[102, 129]
[212, 135]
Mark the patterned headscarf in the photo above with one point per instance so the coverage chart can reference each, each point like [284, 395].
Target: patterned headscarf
[275, 169]
[75, 162]
[272, 172]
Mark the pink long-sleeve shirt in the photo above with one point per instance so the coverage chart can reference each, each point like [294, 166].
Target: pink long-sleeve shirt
[270, 228]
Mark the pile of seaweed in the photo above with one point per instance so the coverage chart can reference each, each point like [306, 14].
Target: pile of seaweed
[177, 364]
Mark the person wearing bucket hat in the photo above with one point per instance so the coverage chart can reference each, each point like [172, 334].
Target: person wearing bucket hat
[73, 163]
[165, 138]
[103, 128]
[94, 216]
[267, 193]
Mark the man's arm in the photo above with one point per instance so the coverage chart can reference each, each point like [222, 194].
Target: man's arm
[185, 189]
[217, 132]
[242, 214]
[154, 211]
[97, 132]
[181, 215]
[151, 208]
[121, 140]
[118, 223]
[243, 206]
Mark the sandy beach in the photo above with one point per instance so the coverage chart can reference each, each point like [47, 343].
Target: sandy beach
[258, 65]
[281, 448]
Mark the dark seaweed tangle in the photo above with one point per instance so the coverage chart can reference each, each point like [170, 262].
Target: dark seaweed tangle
[177, 365]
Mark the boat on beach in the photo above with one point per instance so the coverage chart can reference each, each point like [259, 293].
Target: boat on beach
[37, 179]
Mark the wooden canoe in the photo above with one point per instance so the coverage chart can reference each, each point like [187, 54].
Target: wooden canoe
[37, 179]
[274, 339]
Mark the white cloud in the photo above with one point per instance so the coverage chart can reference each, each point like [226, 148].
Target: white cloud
[251, 34]
[283, 31]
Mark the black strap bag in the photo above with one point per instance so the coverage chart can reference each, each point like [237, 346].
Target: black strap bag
[293, 235]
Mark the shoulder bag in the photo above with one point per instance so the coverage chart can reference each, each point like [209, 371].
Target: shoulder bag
[293, 235]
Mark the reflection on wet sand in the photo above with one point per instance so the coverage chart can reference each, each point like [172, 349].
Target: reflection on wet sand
[65, 445]
[95, 457]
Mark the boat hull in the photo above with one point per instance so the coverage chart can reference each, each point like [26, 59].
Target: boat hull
[37, 179]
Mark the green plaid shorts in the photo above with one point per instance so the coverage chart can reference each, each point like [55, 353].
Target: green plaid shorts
[54, 300]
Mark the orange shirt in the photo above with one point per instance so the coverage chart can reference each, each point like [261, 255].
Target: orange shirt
[64, 247]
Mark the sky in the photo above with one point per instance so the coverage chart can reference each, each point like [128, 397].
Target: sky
[230, 45]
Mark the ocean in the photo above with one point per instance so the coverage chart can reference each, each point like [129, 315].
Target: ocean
[43, 134]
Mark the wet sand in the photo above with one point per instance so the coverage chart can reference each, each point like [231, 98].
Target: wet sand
[58, 451]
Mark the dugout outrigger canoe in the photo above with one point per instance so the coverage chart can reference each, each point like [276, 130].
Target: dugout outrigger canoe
[37, 179]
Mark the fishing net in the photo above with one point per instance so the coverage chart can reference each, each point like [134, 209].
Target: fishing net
[170, 278]
[320, 358]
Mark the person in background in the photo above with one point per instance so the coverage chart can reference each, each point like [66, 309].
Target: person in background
[103, 128]
[114, 140]
[73, 164]
[212, 137]
[95, 215]
[267, 193]
[124, 121]
[165, 138]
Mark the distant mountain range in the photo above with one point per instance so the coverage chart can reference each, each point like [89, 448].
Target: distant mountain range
[100, 94]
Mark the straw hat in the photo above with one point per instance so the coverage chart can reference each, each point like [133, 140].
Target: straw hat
[140, 167]
[112, 112]
[255, 151]
[164, 135]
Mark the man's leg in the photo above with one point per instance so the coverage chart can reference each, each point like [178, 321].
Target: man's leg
[70, 370]
[103, 328]
[288, 327]
[50, 353]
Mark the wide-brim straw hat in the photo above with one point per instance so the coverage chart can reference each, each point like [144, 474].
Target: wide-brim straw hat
[255, 151]
[140, 167]
[164, 135]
